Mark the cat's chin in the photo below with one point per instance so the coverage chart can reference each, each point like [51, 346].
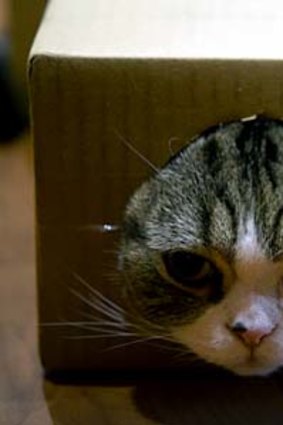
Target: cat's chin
[253, 369]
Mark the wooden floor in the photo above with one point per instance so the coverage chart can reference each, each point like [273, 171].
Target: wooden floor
[26, 399]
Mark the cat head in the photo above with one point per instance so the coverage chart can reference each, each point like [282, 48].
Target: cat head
[202, 247]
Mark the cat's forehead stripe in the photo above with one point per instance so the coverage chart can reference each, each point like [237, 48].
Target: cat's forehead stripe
[248, 243]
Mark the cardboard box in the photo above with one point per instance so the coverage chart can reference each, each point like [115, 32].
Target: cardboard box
[149, 73]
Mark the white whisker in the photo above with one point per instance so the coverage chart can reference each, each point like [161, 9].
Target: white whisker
[94, 324]
[98, 294]
[126, 344]
[136, 152]
[102, 336]
[90, 316]
[100, 308]
[104, 305]
[111, 321]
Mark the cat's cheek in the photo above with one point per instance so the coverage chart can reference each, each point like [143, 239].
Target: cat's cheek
[209, 338]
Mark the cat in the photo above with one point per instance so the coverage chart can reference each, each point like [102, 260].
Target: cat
[201, 251]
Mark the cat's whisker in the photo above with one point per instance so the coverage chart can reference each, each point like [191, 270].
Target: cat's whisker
[63, 323]
[91, 316]
[135, 151]
[163, 346]
[171, 344]
[102, 330]
[107, 302]
[114, 323]
[97, 293]
[98, 328]
[148, 330]
[113, 315]
[119, 314]
[129, 343]
[102, 336]
[92, 325]
[104, 309]
[151, 340]
[110, 324]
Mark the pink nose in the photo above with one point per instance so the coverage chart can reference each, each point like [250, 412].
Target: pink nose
[251, 337]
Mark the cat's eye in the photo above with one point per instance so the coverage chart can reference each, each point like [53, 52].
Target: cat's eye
[188, 268]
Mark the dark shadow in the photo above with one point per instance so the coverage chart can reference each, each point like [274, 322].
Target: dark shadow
[218, 400]
[14, 120]
[204, 397]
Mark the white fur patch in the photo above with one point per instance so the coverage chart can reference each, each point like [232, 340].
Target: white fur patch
[210, 338]
[248, 245]
[252, 300]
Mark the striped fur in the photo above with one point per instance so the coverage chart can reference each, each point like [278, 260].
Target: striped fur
[221, 195]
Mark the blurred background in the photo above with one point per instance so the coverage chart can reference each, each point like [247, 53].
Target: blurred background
[18, 23]
[20, 394]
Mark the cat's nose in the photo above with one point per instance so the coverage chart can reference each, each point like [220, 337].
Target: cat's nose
[251, 337]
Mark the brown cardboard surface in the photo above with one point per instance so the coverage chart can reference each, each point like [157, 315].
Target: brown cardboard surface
[82, 107]
[26, 399]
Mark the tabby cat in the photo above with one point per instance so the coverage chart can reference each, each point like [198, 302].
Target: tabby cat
[202, 247]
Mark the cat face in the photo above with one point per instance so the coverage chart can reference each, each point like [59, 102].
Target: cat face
[202, 247]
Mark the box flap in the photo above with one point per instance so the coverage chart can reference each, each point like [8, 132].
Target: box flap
[162, 29]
